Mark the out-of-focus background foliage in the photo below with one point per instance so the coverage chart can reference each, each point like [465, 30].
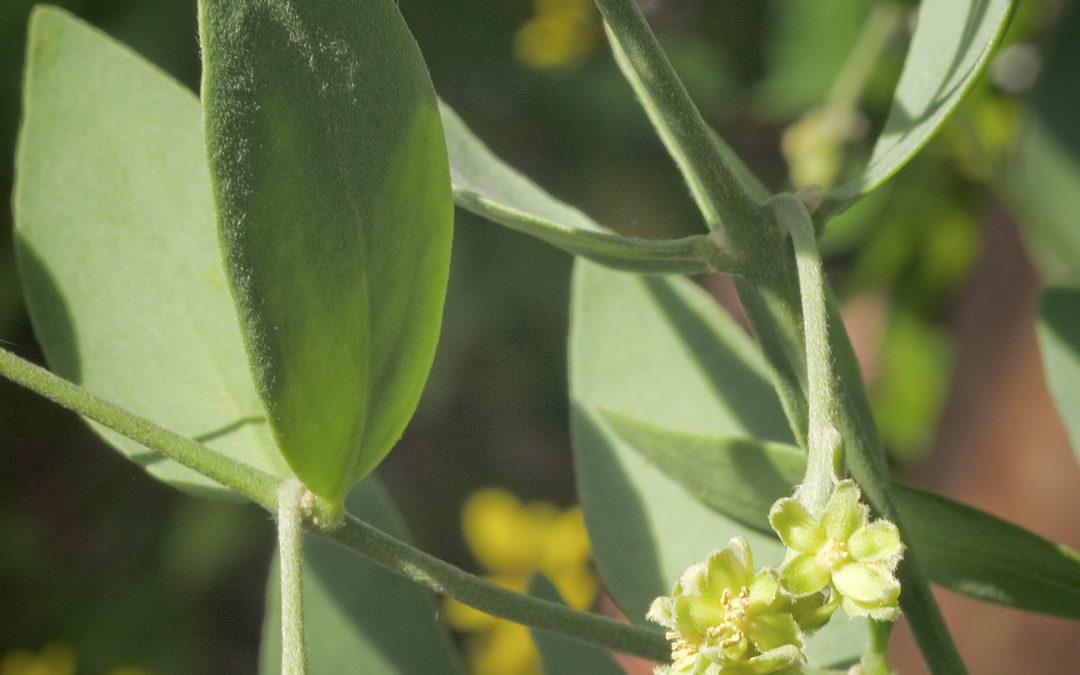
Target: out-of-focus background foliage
[104, 570]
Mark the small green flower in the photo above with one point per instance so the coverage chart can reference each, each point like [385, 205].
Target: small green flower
[841, 551]
[726, 620]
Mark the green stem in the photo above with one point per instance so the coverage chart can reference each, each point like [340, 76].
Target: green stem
[290, 522]
[772, 302]
[445, 579]
[876, 659]
[361, 538]
[258, 486]
[719, 194]
[688, 255]
[823, 441]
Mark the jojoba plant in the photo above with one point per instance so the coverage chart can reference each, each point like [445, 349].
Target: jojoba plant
[242, 291]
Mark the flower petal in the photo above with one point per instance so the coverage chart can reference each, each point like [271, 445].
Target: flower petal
[877, 542]
[844, 513]
[662, 611]
[804, 574]
[775, 660]
[764, 590]
[728, 569]
[772, 630]
[695, 615]
[866, 582]
[814, 611]
[795, 526]
[878, 611]
[691, 581]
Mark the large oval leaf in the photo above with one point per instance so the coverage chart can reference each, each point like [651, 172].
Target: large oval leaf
[330, 175]
[358, 616]
[659, 349]
[952, 45]
[118, 251]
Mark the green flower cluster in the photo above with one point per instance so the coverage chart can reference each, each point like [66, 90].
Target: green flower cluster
[726, 619]
[841, 552]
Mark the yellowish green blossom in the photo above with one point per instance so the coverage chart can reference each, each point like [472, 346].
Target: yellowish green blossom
[841, 551]
[53, 659]
[512, 541]
[724, 619]
[560, 36]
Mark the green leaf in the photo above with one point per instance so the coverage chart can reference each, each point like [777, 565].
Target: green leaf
[1059, 340]
[488, 187]
[977, 554]
[742, 474]
[951, 47]
[658, 349]
[962, 548]
[1043, 182]
[331, 180]
[118, 251]
[355, 612]
[561, 656]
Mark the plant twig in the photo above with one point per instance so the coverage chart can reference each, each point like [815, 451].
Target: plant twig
[720, 196]
[823, 441]
[290, 523]
[772, 302]
[355, 535]
[875, 660]
[258, 486]
[445, 579]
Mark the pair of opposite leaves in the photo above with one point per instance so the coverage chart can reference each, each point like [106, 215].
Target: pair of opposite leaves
[331, 190]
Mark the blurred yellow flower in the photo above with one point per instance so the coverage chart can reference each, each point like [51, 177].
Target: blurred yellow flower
[53, 659]
[512, 541]
[560, 35]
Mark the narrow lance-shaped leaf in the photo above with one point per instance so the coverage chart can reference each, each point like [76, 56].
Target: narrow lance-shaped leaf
[357, 613]
[962, 548]
[118, 250]
[952, 45]
[330, 175]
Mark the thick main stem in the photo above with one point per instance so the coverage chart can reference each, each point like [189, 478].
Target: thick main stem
[290, 523]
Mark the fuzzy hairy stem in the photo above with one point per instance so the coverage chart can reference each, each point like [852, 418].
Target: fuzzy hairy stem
[290, 522]
[359, 537]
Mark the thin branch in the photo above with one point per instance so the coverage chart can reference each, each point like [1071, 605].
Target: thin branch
[290, 523]
[719, 194]
[445, 579]
[355, 535]
[258, 486]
